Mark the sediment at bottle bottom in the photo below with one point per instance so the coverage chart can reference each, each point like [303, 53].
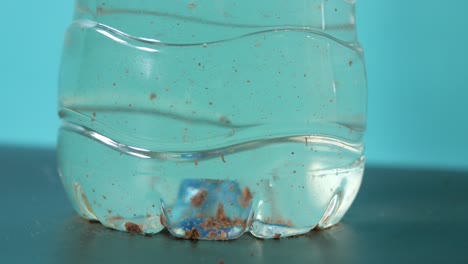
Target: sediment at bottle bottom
[276, 189]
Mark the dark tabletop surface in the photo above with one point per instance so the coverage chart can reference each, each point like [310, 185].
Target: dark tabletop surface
[399, 216]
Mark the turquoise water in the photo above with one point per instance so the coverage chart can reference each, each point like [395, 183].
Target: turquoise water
[209, 125]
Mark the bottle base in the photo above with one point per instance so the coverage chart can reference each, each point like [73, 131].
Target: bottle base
[216, 197]
[208, 228]
[196, 229]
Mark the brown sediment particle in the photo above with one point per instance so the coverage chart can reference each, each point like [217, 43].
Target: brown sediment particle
[317, 228]
[109, 211]
[211, 223]
[221, 261]
[153, 96]
[104, 197]
[148, 215]
[212, 234]
[195, 162]
[279, 221]
[94, 114]
[223, 236]
[239, 222]
[194, 234]
[199, 198]
[221, 221]
[220, 214]
[115, 218]
[350, 63]
[222, 158]
[133, 228]
[192, 5]
[277, 236]
[223, 119]
[246, 198]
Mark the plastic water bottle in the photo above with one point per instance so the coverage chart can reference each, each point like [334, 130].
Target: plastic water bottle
[212, 118]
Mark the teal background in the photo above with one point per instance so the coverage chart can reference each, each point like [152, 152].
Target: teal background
[417, 64]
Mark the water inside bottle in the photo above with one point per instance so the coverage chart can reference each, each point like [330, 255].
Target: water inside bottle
[260, 131]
